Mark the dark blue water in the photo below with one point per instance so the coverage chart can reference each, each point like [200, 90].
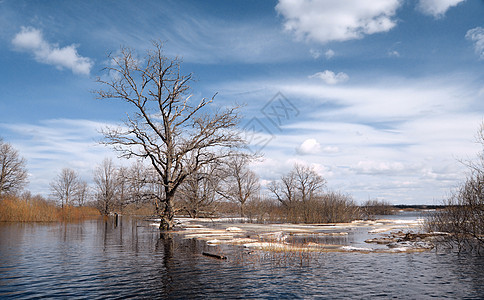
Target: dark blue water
[97, 259]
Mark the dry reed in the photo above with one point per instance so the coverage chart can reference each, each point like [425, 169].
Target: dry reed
[14, 209]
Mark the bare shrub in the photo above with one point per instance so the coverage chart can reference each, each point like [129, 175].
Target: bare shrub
[374, 207]
[332, 207]
[462, 217]
[263, 210]
[303, 199]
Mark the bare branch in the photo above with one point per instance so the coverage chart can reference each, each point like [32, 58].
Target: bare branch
[176, 134]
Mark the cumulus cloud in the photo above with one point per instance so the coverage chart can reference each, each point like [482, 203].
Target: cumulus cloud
[309, 146]
[329, 54]
[31, 40]
[436, 8]
[476, 35]
[329, 77]
[326, 21]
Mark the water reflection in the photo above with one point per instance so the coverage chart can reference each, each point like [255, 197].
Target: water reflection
[130, 259]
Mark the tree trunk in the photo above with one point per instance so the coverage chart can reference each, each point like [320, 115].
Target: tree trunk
[167, 214]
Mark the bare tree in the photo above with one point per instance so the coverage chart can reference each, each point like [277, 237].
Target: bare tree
[13, 174]
[241, 184]
[138, 181]
[308, 182]
[285, 190]
[65, 186]
[199, 191]
[106, 185]
[302, 183]
[300, 191]
[176, 135]
[123, 188]
[82, 194]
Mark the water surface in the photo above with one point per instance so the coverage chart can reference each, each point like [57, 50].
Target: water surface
[99, 259]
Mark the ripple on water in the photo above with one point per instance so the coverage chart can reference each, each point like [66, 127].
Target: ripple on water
[94, 259]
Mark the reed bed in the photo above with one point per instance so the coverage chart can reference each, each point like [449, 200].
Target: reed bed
[14, 209]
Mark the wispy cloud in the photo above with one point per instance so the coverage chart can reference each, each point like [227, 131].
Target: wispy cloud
[436, 8]
[476, 35]
[54, 144]
[31, 40]
[411, 130]
[326, 21]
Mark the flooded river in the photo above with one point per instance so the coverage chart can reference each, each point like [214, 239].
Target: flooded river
[101, 259]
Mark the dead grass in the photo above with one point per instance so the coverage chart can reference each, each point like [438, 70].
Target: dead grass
[14, 209]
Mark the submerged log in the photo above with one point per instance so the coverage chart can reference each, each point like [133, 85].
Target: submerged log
[214, 255]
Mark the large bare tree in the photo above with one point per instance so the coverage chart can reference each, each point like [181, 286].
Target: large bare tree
[175, 133]
[13, 174]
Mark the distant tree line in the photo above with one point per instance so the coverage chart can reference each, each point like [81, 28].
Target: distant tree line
[224, 186]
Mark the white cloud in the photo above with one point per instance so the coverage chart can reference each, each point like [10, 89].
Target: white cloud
[436, 8]
[476, 35]
[378, 167]
[55, 144]
[331, 149]
[315, 53]
[256, 41]
[31, 40]
[389, 137]
[393, 53]
[391, 99]
[329, 77]
[309, 146]
[325, 21]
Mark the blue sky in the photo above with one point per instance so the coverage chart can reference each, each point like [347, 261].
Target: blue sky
[382, 97]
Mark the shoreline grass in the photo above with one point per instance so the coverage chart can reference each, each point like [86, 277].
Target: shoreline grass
[14, 209]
